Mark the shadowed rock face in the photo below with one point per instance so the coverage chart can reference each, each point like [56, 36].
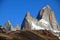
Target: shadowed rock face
[25, 23]
[29, 35]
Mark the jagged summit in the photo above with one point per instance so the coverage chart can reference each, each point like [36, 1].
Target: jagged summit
[8, 22]
[28, 14]
[47, 6]
[8, 27]
[44, 12]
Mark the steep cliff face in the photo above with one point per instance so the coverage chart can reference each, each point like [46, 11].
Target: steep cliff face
[25, 23]
[53, 21]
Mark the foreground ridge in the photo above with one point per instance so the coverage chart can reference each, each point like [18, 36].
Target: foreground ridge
[29, 35]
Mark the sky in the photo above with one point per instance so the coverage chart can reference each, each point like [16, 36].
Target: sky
[15, 10]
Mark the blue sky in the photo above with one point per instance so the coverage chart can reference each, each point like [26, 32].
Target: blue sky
[15, 10]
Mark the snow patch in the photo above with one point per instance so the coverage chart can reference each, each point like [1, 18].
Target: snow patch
[44, 7]
[35, 27]
[43, 21]
[55, 31]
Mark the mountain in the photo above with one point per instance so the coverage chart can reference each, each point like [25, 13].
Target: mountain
[43, 27]
[8, 27]
[25, 24]
[45, 20]
[48, 15]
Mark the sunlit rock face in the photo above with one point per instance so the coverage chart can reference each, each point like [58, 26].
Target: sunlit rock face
[53, 21]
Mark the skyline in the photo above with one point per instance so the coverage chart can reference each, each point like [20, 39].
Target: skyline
[15, 10]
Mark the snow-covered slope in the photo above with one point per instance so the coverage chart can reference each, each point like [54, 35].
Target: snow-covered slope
[36, 27]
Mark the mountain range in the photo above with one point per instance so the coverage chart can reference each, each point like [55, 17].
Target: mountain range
[44, 23]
